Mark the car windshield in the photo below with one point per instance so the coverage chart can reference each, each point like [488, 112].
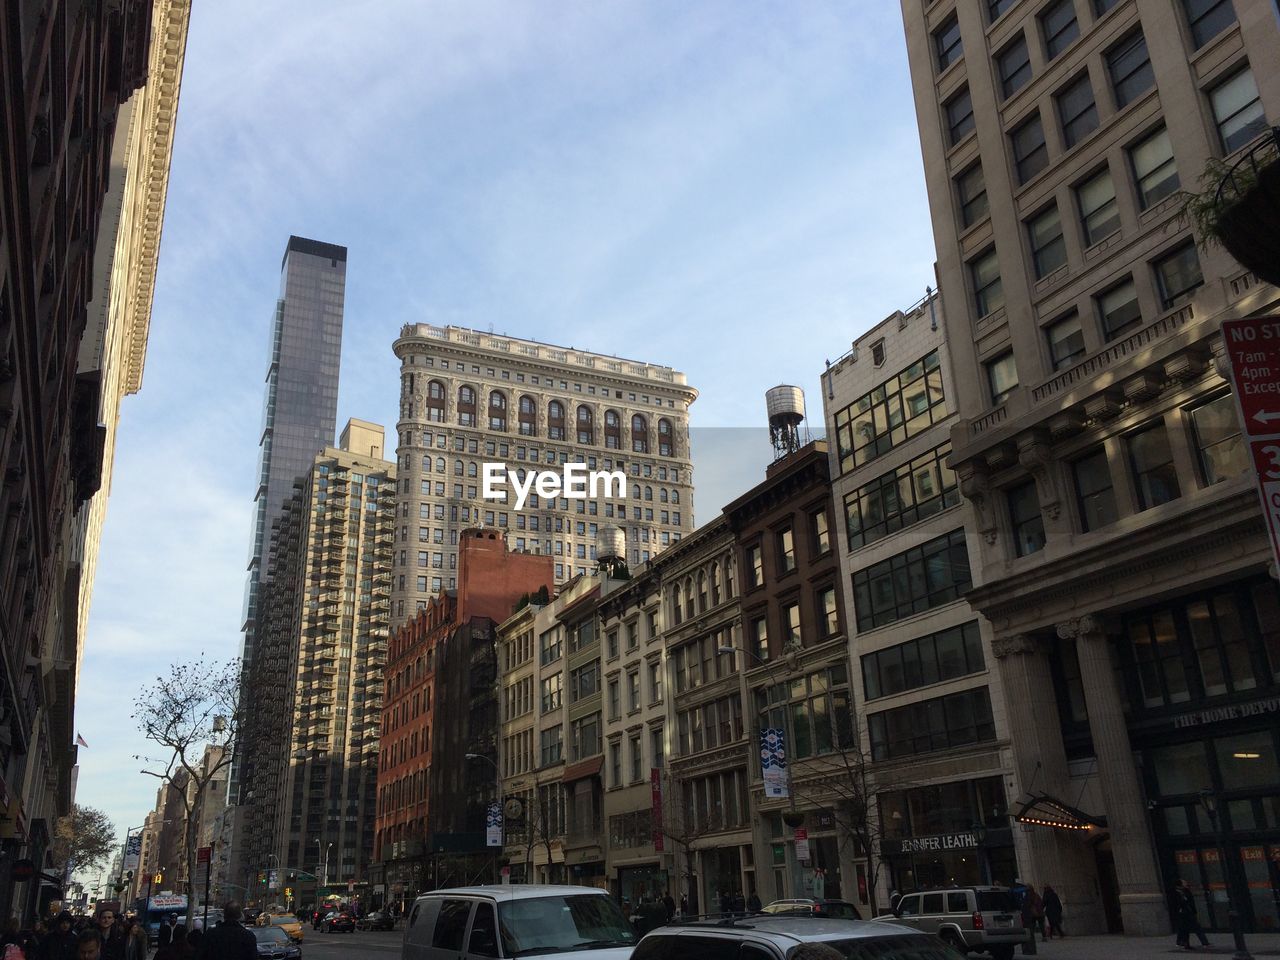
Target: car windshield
[281, 920]
[270, 935]
[555, 924]
[1000, 900]
[889, 948]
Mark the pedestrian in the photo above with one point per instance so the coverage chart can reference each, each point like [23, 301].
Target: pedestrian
[194, 938]
[112, 937]
[739, 903]
[684, 905]
[60, 944]
[669, 904]
[753, 902]
[1053, 912]
[1185, 919]
[165, 934]
[178, 947]
[229, 940]
[1035, 910]
[136, 943]
[89, 945]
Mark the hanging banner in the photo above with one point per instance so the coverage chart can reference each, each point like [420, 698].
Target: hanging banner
[773, 762]
[802, 843]
[655, 784]
[493, 825]
[132, 851]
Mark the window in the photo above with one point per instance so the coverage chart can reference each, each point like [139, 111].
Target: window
[655, 682]
[639, 434]
[1002, 377]
[995, 8]
[466, 407]
[1118, 309]
[633, 690]
[1014, 66]
[1059, 26]
[451, 925]
[946, 655]
[612, 430]
[1102, 6]
[1178, 274]
[1024, 515]
[1154, 171]
[1208, 18]
[754, 566]
[555, 420]
[877, 352]
[615, 764]
[939, 724]
[760, 637]
[1129, 66]
[988, 292]
[946, 43]
[584, 736]
[791, 625]
[615, 700]
[1217, 438]
[665, 437]
[786, 551]
[1162, 675]
[828, 612]
[913, 581]
[552, 745]
[959, 116]
[637, 758]
[820, 527]
[1030, 155]
[1077, 111]
[552, 692]
[484, 933]
[1048, 248]
[818, 705]
[1154, 475]
[971, 191]
[1099, 215]
[903, 496]
[1066, 341]
[584, 682]
[900, 408]
[586, 425]
[1237, 110]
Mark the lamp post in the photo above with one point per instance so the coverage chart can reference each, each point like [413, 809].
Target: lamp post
[979, 831]
[497, 798]
[1209, 800]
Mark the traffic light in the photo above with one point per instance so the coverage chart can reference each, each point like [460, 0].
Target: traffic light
[157, 877]
[262, 876]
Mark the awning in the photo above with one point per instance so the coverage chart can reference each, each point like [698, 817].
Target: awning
[1043, 810]
[583, 769]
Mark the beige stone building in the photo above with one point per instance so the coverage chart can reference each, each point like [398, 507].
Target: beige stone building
[468, 398]
[1121, 558]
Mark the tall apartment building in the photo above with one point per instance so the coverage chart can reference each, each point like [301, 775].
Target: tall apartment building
[1121, 554]
[470, 398]
[298, 420]
[69, 69]
[931, 731]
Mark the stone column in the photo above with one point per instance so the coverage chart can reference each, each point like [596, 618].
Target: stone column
[1040, 766]
[1142, 903]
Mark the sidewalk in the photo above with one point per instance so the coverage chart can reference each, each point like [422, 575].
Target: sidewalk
[1142, 948]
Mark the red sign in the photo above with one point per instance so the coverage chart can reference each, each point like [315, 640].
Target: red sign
[1185, 856]
[655, 783]
[204, 854]
[1253, 347]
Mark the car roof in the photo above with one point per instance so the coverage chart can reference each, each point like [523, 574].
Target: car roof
[992, 889]
[520, 891]
[792, 928]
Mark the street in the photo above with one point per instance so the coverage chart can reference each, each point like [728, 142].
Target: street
[361, 945]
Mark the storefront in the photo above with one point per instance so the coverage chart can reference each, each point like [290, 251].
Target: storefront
[948, 834]
[638, 881]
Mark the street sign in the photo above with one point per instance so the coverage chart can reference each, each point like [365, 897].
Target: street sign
[802, 843]
[1253, 349]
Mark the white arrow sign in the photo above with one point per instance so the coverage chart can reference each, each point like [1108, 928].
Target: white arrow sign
[1266, 416]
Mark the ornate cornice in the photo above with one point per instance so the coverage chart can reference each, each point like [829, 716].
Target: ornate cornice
[1016, 643]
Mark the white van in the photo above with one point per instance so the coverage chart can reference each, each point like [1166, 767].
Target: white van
[511, 921]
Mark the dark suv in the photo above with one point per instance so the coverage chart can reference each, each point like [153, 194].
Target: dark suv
[776, 936]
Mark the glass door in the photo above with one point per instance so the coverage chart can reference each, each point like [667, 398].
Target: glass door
[1261, 867]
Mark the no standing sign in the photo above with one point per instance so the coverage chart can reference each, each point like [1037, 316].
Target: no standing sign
[1253, 347]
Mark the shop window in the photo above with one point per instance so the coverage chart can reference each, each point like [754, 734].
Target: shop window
[1221, 647]
[1161, 673]
[1181, 768]
[1248, 761]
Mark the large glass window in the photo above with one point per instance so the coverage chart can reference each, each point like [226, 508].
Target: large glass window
[786, 550]
[1154, 475]
[1059, 26]
[1129, 67]
[1237, 110]
[1216, 431]
[1118, 309]
[1025, 518]
[1077, 111]
[815, 708]
[1247, 761]
[971, 191]
[1014, 65]
[1048, 248]
[903, 496]
[1002, 377]
[1266, 609]
[1099, 215]
[988, 292]
[1180, 768]
[941, 656]
[1178, 274]
[1208, 18]
[947, 45]
[995, 8]
[955, 720]
[552, 744]
[1222, 649]
[900, 408]
[915, 580]
[959, 116]
[1066, 341]
[1154, 170]
[552, 692]
[1030, 155]
[1162, 675]
[1095, 494]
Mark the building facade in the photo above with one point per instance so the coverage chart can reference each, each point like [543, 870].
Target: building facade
[470, 398]
[932, 735]
[1122, 558]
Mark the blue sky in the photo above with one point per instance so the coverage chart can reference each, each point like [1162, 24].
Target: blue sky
[732, 188]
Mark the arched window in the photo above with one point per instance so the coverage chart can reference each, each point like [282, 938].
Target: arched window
[665, 437]
[457, 468]
[715, 584]
[439, 464]
[466, 407]
[528, 417]
[586, 425]
[678, 613]
[555, 420]
[612, 430]
[702, 592]
[635, 492]
[675, 496]
[662, 494]
[435, 401]
[648, 493]
[688, 598]
[639, 434]
[497, 410]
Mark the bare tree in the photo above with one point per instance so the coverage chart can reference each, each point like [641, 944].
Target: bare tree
[82, 839]
[194, 707]
[684, 826]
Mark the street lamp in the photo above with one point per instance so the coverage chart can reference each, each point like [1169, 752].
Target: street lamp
[1209, 800]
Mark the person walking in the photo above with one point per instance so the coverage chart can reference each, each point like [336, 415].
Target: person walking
[136, 942]
[753, 903]
[178, 947]
[229, 940]
[669, 904]
[112, 947]
[1053, 912]
[60, 944]
[1035, 909]
[1186, 921]
[165, 934]
[89, 944]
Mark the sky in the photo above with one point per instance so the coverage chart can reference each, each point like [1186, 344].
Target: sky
[729, 187]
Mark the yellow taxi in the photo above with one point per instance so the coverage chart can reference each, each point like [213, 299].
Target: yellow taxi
[287, 922]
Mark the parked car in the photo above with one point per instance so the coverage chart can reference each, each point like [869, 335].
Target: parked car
[273, 942]
[971, 919]
[555, 922]
[339, 923]
[287, 922]
[378, 920]
[840, 909]
[765, 936]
